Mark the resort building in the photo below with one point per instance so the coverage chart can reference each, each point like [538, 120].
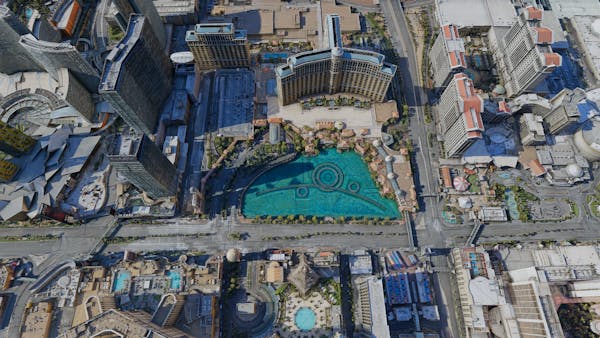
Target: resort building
[37, 321]
[137, 76]
[524, 55]
[66, 16]
[13, 58]
[218, 45]
[531, 130]
[334, 70]
[587, 140]
[54, 56]
[460, 110]
[39, 99]
[177, 12]
[371, 314]
[586, 33]
[143, 164]
[447, 55]
[272, 20]
[564, 115]
[114, 323]
[478, 290]
[533, 304]
[475, 16]
[127, 8]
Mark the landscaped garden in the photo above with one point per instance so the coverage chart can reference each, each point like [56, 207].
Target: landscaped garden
[335, 102]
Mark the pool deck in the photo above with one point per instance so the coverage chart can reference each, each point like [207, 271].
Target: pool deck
[317, 303]
[354, 118]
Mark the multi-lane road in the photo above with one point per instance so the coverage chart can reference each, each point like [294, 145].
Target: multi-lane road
[426, 175]
[76, 242]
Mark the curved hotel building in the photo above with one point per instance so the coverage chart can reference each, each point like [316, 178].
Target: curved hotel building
[334, 70]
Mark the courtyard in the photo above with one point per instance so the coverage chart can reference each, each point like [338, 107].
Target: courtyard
[359, 119]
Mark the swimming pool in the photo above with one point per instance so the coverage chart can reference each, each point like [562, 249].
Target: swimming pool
[305, 319]
[330, 184]
[271, 56]
[175, 279]
[511, 203]
[121, 280]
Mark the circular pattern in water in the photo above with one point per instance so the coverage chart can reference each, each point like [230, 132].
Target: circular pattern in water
[328, 176]
[302, 192]
[354, 186]
[305, 319]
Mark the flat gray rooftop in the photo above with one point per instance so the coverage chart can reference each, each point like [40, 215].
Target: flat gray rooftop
[114, 60]
[234, 102]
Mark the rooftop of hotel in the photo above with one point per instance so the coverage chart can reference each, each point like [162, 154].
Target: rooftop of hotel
[214, 29]
[324, 54]
[571, 8]
[470, 103]
[114, 60]
[378, 315]
[174, 7]
[45, 172]
[123, 324]
[543, 35]
[125, 145]
[47, 46]
[533, 13]
[37, 321]
[476, 13]
[587, 29]
[63, 11]
[455, 46]
[273, 19]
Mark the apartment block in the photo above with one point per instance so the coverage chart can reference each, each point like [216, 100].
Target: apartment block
[460, 110]
[447, 55]
[218, 45]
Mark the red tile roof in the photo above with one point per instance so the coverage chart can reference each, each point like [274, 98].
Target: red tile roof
[455, 50]
[536, 168]
[471, 105]
[544, 35]
[534, 13]
[503, 107]
[553, 59]
[447, 31]
[446, 177]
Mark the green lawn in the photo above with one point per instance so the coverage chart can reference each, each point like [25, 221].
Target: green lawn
[474, 188]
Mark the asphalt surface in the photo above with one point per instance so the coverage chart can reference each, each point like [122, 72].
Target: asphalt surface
[426, 175]
[77, 242]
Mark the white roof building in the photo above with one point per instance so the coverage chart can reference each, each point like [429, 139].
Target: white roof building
[476, 13]
[587, 34]
[571, 8]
